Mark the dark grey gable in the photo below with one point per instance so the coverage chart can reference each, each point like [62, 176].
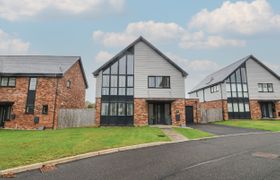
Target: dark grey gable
[120, 54]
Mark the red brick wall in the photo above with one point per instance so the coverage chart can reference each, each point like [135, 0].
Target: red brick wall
[140, 112]
[255, 109]
[178, 105]
[218, 104]
[97, 111]
[45, 95]
[277, 107]
[196, 109]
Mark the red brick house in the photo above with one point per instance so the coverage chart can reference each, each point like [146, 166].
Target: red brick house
[34, 88]
[142, 86]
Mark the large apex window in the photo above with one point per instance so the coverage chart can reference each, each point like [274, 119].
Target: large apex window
[237, 94]
[159, 82]
[265, 87]
[117, 80]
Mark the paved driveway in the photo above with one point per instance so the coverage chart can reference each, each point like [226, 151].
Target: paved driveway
[224, 158]
[223, 130]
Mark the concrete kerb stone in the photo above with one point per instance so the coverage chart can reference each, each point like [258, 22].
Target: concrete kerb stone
[109, 151]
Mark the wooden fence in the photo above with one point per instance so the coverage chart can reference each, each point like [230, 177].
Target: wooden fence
[211, 115]
[68, 118]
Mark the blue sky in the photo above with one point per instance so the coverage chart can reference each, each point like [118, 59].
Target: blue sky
[201, 37]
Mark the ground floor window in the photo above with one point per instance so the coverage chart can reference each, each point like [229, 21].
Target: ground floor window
[117, 113]
[268, 109]
[238, 108]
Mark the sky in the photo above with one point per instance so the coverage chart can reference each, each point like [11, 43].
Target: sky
[200, 36]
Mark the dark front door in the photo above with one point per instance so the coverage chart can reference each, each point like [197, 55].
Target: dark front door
[4, 114]
[268, 109]
[189, 114]
[159, 113]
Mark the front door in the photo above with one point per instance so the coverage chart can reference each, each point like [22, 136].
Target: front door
[267, 109]
[4, 114]
[159, 113]
[189, 114]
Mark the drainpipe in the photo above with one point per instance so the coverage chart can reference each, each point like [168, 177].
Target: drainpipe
[55, 101]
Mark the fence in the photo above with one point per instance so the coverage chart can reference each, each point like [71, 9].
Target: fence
[76, 118]
[211, 115]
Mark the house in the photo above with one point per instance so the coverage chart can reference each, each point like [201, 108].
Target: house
[141, 86]
[34, 88]
[246, 89]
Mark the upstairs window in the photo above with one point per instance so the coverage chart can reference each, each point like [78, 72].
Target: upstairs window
[214, 89]
[159, 82]
[68, 84]
[265, 87]
[7, 81]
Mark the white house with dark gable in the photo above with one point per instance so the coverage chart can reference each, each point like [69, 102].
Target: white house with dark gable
[243, 90]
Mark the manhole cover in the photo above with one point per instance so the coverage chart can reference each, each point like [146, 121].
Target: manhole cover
[265, 155]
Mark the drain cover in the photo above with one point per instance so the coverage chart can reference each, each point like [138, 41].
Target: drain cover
[265, 155]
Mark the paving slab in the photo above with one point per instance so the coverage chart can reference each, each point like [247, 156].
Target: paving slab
[172, 134]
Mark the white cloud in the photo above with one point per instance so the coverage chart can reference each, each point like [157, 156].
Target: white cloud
[103, 56]
[10, 44]
[16, 9]
[154, 31]
[198, 40]
[197, 69]
[158, 32]
[241, 17]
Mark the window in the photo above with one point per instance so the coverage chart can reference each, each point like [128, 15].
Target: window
[159, 81]
[214, 89]
[7, 81]
[68, 84]
[30, 102]
[129, 109]
[113, 109]
[105, 109]
[117, 109]
[265, 87]
[45, 109]
[121, 109]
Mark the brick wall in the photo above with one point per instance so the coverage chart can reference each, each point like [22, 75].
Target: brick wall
[196, 109]
[255, 109]
[45, 95]
[97, 111]
[140, 112]
[277, 108]
[178, 106]
[219, 104]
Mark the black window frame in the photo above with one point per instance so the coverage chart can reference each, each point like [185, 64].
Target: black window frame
[155, 82]
[237, 102]
[8, 82]
[262, 89]
[45, 109]
[214, 89]
[31, 97]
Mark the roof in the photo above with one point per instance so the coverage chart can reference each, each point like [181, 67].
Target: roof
[115, 58]
[38, 65]
[222, 74]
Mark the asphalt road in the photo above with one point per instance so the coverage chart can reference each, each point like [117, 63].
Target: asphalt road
[223, 130]
[220, 158]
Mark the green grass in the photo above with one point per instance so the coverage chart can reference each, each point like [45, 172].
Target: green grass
[27, 147]
[192, 133]
[270, 125]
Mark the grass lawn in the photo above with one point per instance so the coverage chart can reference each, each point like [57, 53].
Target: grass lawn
[270, 125]
[192, 133]
[27, 147]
